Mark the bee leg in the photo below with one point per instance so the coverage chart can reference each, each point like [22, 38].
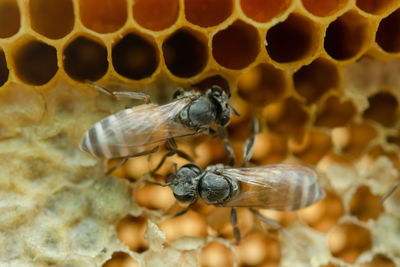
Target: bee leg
[248, 148]
[180, 153]
[168, 154]
[181, 212]
[270, 222]
[236, 231]
[224, 137]
[125, 159]
[390, 192]
[118, 165]
[116, 94]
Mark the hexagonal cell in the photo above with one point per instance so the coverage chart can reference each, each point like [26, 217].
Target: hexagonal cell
[312, 147]
[325, 214]
[215, 254]
[155, 15]
[207, 13]
[348, 241]
[206, 83]
[134, 57]
[3, 68]
[262, 85]
[388, 34]
[355, 139]
[236, 46]
[314, 80]
[287, 117]
[364, 205]
[36, 62]
[291, 40]
[324, 8]
[190, 224]
[375, 7]
[346, 36]
[53, 19]
[334, 112]
[382, 109]
[185, 52]
[85, 59]
[264, 10]
[269, 149]
[379, 260]
[257, 249]
[103, 17]
[131, 231]
[121, 259]
[9, 18]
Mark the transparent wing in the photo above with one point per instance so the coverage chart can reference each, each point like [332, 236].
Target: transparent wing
[145, 124]
[275, 186]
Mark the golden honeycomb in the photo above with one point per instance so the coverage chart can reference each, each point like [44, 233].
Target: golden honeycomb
[321, 76]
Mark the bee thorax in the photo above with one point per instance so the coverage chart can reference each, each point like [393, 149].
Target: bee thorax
[214, 189]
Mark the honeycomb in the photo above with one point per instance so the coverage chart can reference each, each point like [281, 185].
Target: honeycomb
[321, 76]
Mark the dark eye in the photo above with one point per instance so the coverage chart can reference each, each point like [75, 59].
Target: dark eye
[216, 92]
[185, 198]
[194, 168]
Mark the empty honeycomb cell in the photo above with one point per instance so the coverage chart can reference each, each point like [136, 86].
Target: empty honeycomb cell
[36, 62]
[348, 241]
[375, 7]
[269, 149]
[334, 112]
[357, 138]
[207, 13]
[264, 10]
[53, 19]
[325, 214]
[103, 17]
[291, 40]
[3, 68]
[346, 36]
[119, 259]
[379, 260]
[155, 15]
[388, 33]
[314, 80]
[85, 59]
[215, 254]
[134, 57]
[237, 46]
[382, 109]
[131, 232]
[9, 18]
[185, 53]
[364, 205]
[324, 8]
[312, 147]
[286, 117]
[257, 249]
[262, 85]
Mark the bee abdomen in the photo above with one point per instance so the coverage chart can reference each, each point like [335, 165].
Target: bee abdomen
[96, 143]
[305, 194]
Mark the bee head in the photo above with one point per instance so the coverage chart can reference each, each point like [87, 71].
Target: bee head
[184, 182]
[220, 99]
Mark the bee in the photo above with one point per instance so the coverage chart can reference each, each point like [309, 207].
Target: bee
[282, 187]
[131, 132]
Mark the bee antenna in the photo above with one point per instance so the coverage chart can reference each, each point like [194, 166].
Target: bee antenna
[390, 192]
[227, 84]
[175, 168]
[235, 111]
[155, 183]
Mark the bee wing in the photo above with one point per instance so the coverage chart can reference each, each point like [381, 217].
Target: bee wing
[120, 134]
[275, 186]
